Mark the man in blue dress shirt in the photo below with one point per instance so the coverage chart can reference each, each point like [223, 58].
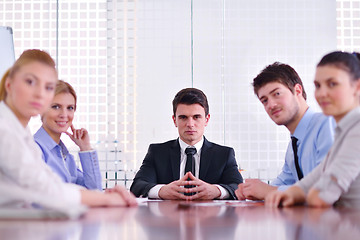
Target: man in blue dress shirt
[280, 90]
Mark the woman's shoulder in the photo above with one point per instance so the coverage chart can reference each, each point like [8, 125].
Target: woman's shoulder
[11, 128]
[43, 139]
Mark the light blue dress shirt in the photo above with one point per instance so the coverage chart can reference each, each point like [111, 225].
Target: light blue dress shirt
[62, 162]
[315, 134]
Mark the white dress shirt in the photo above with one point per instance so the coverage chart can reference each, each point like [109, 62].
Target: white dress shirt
[154, 191]
[22, 167]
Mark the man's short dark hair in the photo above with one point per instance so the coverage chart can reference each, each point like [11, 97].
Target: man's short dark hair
[281, 73]
[190, 96]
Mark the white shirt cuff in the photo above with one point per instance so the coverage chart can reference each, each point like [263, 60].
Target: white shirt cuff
[224, 193]
[154, 191]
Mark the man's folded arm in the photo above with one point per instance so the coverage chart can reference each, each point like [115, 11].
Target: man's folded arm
[231, 176]
[145, 178]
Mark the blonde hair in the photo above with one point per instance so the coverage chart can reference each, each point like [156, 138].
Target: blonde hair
[28, 56]
[64, 87]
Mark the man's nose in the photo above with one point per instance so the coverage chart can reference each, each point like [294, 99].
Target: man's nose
[271, 104]
[190, 122]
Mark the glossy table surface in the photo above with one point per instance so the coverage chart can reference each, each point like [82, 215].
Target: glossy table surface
[193, 220]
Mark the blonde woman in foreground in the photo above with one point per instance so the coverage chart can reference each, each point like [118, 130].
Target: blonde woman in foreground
[336, 181]
[27, 90]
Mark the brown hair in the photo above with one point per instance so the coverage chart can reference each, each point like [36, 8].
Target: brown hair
[281, 73]
[190, 96]
[64, 87]
[26, 57]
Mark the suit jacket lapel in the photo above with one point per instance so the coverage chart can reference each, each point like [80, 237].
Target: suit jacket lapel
[175, 159]
[205, 159]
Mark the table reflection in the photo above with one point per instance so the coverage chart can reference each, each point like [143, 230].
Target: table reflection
[322, 223]
[184, 220]
[40, 230]
[193, 220]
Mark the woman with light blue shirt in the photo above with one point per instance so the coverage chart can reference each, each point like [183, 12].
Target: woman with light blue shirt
[57, 120]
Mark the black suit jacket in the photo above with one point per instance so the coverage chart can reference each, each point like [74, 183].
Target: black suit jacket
[162, 166]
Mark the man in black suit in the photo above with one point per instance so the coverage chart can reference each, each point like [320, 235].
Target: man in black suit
[213, 172]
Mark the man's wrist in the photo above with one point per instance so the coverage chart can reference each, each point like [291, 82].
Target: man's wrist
[218, 191]
[224, 194]
[155, 190]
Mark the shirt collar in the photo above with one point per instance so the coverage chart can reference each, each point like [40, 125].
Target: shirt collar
[42, 137]
[198, 145]
[300, 130]
[63, 148]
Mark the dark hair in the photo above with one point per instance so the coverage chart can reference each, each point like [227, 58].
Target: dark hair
[190, 96]
[349, 62]
[281, 73]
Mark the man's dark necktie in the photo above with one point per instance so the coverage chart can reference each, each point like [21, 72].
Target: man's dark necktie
[296, 158]
[190, 165]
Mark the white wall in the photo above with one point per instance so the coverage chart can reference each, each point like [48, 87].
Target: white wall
[232, 42]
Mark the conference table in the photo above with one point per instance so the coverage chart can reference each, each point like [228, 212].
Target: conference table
[154, 219]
